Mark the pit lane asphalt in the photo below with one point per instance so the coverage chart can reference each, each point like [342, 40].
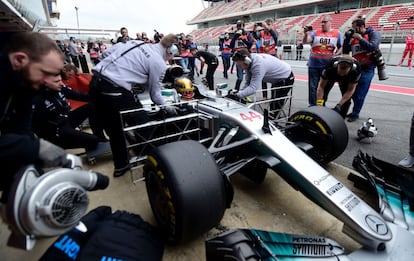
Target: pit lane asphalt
[390, 103]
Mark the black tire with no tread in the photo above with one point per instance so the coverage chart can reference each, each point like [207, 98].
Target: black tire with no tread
[185, 188]
[324, 129]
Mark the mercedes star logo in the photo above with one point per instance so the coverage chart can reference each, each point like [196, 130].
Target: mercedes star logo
[376, 224]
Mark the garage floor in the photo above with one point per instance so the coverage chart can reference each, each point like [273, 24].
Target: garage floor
[273, 206]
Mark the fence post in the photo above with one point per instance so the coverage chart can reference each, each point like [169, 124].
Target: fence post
[396, 26]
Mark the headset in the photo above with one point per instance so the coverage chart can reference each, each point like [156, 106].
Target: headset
[172, 49]
[347, 61]
[239, 56]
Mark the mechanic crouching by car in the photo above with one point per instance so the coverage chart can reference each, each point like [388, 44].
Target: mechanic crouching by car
[28, 61]
[260, 67]
[54, 121]
[130, 64]
[344, 70]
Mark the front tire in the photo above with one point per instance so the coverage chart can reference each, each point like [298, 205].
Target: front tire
[322, 128]
[185, 188]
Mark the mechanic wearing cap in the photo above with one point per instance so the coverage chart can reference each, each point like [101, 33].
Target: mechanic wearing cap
[133, 63]
[344, 70]
[267, 68]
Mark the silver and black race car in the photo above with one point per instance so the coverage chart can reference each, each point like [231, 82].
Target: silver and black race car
[190, 157]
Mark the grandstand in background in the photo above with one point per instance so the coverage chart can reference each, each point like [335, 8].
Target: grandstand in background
[393, 18]
[18, 15]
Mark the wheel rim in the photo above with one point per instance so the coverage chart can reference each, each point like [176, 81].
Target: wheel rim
[321, 142]
[324, 129]
[159, 201]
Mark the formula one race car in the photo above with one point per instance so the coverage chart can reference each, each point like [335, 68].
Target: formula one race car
[190, 157]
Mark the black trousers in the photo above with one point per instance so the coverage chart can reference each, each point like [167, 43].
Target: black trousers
[281, 92]
[299, 54]
[226, 65]
[68, 137]
[343, 86]
[211, 69]
[84, 64]
[87, 111]
[109, 101]
[75, 60]
[191, 67]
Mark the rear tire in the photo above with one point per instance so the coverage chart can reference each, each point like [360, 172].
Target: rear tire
[322, 128]
[185, 188]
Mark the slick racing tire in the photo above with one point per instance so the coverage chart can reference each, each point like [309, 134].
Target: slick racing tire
[185, 188]
[322, 128]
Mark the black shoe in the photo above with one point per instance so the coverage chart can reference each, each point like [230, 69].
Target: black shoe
[352, 118]
[349, 115]
[121, 171]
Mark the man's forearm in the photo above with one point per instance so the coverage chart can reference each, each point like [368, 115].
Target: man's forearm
[320, 91]
[348, 94]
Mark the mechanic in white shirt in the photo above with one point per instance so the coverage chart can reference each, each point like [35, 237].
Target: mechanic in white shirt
[267, 68]
[125, 66]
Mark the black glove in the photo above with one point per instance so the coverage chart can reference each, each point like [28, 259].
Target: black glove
[51, 155]
[232, 94]
[337, 108]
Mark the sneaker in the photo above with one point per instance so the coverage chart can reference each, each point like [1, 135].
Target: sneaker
[121, 171]
[352, 118]
[407, 162]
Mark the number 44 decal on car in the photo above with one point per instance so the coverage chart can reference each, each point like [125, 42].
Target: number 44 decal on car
[250, 116]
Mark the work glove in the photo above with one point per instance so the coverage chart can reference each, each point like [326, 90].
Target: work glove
[51, 155]
[320, 102]
[232, 94]
[171, 110]
[337, 108]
